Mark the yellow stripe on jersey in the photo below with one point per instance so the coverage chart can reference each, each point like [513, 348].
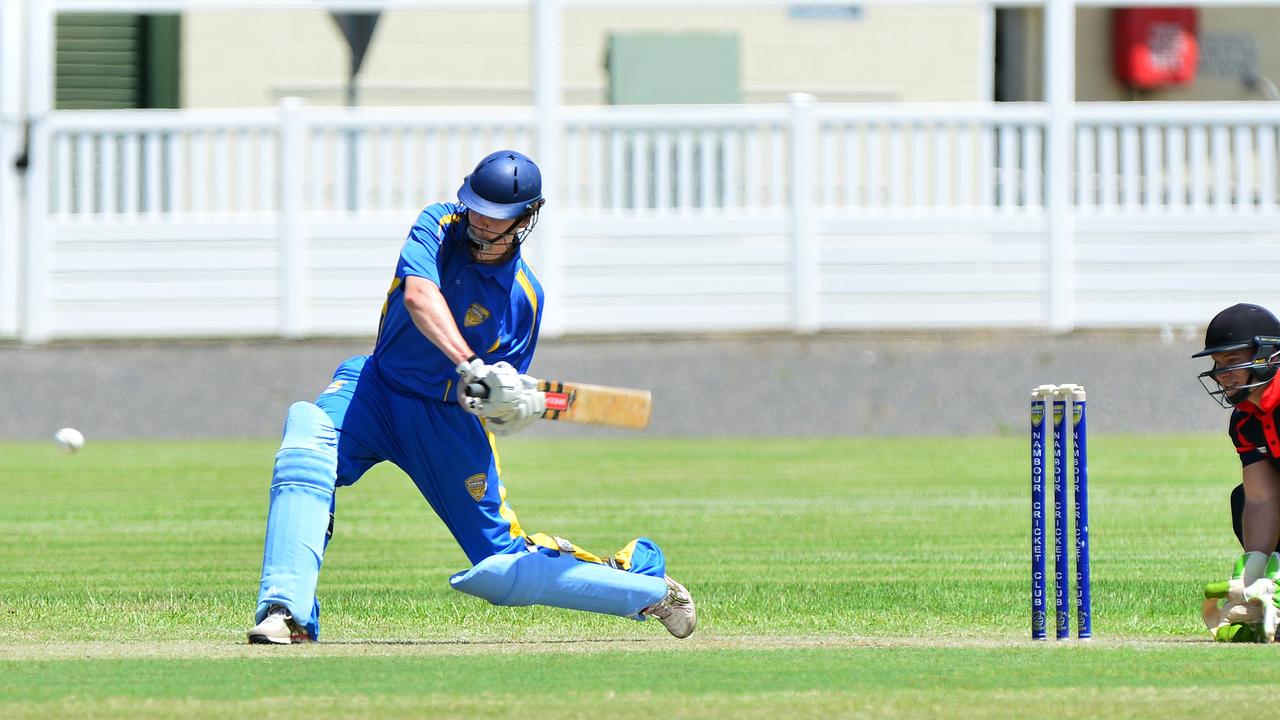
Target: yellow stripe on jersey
[623, 556]
[562, 545]
[503, 508]
[507, 513]
[395, 285]
[533, 297]
[448, 220]
[447, 387]
[495, 345]
[497, 462]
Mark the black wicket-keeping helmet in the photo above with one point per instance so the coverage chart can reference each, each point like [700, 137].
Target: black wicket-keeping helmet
[1241, 327]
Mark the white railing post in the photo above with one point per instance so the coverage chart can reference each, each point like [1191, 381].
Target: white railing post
[804, 251]
[294, 292]
[10, 147]
[39, 91]
[1059, 221]
[548, 98]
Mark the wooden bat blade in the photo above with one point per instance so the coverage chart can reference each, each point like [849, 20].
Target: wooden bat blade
[596, 404]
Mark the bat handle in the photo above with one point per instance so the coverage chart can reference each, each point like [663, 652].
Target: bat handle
[477, 390]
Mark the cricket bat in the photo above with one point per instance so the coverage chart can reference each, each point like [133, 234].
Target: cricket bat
[590, 404]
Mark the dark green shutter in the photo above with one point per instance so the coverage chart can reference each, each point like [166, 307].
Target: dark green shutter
[160, 61]
[107, 61]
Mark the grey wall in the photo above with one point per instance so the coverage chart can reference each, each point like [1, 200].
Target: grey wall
[863, 384]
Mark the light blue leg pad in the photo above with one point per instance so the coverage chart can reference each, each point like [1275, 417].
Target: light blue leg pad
[301, 497]
[532, 578]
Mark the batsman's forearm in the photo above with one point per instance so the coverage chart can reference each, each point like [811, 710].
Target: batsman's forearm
[432, 317]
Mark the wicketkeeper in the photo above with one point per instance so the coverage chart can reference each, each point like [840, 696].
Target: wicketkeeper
[463, 309]
[1244, 342]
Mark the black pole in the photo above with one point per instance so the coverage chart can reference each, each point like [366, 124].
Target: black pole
[358, 29]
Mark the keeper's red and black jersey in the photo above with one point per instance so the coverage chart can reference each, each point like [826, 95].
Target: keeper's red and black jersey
[1254, 427]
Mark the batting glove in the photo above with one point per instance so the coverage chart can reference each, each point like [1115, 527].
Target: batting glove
[495, 392]
[523, 411]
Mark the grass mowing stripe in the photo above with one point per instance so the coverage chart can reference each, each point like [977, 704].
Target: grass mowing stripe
[698, 672]
[1137, 703]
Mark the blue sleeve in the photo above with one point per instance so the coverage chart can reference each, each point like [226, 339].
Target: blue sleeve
[421, 248]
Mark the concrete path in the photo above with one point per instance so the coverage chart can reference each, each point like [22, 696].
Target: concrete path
[827, 385]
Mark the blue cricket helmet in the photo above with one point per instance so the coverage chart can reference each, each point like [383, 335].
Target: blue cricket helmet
[506, 185]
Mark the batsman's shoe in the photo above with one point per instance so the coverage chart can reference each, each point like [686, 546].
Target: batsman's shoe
[675, 611]
[278, 628]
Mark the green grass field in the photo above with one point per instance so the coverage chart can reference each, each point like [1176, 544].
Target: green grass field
[834, 578]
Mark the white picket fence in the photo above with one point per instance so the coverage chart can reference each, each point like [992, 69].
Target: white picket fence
[10, 226]
[798, 217]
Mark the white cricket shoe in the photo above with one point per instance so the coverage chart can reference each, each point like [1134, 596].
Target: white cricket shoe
[675, 611]
[278, 628]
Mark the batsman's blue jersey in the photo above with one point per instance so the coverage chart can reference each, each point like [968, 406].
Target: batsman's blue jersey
[498, 308]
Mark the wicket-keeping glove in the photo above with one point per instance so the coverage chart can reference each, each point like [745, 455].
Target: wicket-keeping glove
[1243, 609]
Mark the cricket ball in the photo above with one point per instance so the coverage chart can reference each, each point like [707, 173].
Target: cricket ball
[69, 440]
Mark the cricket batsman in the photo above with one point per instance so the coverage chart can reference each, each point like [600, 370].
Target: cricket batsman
[1244, 343]
[463, 309]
